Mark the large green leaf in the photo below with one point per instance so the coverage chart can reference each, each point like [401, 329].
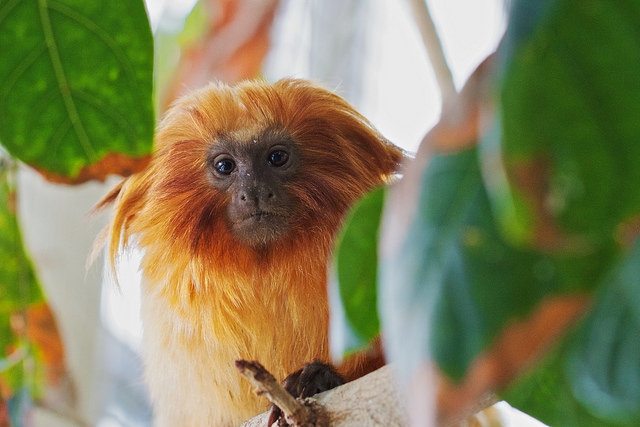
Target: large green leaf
[484, 281]
[412, 281]
[593, 377]
[456, 275]
[75, 82]
[356, 261]
[569, 121]
[480, 266]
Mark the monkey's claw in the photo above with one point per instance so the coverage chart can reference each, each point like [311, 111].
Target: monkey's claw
[312, 379]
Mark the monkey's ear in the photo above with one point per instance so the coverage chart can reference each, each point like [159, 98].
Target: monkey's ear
[377, 152]
[380, 154]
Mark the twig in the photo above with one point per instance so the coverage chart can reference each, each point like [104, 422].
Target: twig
[267, 385]
[435, 52]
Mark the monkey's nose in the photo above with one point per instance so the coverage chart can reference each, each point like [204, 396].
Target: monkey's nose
[256, 195]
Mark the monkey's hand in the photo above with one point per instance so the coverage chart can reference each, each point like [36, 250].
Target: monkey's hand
[312, 379]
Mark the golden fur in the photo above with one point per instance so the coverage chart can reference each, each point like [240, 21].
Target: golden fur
[209, 298]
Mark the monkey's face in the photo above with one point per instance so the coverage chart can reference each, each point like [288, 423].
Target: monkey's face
[253, 170]
[257, 166]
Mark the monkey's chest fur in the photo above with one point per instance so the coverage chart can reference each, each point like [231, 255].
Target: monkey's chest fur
[194, 331]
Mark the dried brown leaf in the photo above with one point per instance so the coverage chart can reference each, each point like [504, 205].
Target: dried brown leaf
[519, 346]
[38, 323]
[111, 164]
[231, 50]
[4, 414]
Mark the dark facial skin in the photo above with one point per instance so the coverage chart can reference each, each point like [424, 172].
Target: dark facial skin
[253, 172]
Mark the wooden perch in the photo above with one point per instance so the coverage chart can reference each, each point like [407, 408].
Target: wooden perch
[369, 401]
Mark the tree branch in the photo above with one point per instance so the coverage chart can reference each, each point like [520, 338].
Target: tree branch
[369, 401]
[435, 52]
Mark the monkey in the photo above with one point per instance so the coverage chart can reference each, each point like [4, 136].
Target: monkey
[236, 214]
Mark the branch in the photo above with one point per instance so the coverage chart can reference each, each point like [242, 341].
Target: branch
[369, 401]
[435, 52]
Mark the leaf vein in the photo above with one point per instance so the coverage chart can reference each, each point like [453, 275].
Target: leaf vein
[6, 10]
[99, 32]
[44, 103]
[109, 111]
[19, 71]
[58, 136]
[63, 83]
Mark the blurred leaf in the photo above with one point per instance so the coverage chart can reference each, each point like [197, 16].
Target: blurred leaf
[42, 332]
[356, 258]
[18, 284]
[20, 406]
[18, 289]
[31, 350]
[544, 394]
[407, 305]
[168, 43]
[569, 123]
[484, 281]
[75, 85]
[355, 311]
[456, 263]
[603, 366]
[4, 413]
[229, 50]
[450, 186]
[485, 272]
[593, 378]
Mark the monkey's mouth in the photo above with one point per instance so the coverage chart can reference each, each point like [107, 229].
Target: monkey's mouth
[261, 227]
[260, 215]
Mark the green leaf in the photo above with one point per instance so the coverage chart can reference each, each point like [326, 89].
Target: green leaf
[19, 287]
[75, 82]
[603, 366]
[456, 275]
[169, 42]
[569, 120]
[18, 284]
[484, 283]
[544, 394]
[593, 377]
[356, 262]
[412, 280]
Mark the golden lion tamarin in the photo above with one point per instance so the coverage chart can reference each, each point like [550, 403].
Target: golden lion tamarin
[236, 214]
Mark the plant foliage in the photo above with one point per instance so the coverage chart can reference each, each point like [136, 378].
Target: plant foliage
[75, 84]
[512, 240]
[76, 104]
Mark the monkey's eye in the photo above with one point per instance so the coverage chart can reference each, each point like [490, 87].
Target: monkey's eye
[224, 166]
[278, 158]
